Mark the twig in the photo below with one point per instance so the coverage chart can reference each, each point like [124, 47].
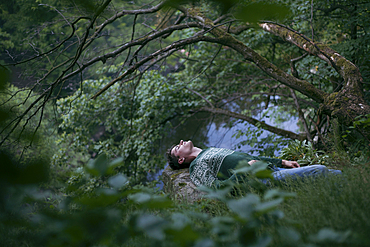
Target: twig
[301, 115]
[195, 92]
[312, 31]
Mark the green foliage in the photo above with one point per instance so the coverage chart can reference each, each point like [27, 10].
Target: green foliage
[5, 43]
[33, 28]
[25, 139]
[117, 214]
[358, 150]
[363, 121]
[247, 10]
[262, 144]
[98, 173]
[255, 11]
[342, 25]
[100, 206]
[127, 121]
[304, 153]
[21, 171]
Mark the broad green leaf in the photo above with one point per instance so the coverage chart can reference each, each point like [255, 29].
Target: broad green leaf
[98, 166]
[146, 200]
[140, 197]
[152, 226]
[183, 237]
[179, 220]
[276, 193]
[264, 174]
[244, 207]
[220, 194]
[244, 167]
[265, 207]
[204, 243]
[117, 181]
[329, 235]
[289, 235]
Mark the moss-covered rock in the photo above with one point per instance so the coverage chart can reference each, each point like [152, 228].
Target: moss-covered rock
[178, 185]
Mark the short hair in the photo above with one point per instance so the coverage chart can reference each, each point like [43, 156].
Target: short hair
[173, 161]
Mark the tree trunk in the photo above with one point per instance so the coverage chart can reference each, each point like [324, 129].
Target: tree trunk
[344, 105]
[349, 102]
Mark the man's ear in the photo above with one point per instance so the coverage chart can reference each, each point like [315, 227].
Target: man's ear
[181, 160]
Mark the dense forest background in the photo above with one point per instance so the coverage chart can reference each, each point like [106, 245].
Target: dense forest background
[91, 91]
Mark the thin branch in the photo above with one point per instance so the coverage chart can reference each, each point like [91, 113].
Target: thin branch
[349, 72]
[312, 31]
[169, 13]
[237, 30]
[47, 93]
[255, 122]
[204, 98]
[221, 18]
[123, 13]
[53, 49]
[318, 131]
[209, 64]
[268, 26]
[301, 115]
[18, 119]
[129, 49]
[161, 54]
[224, 38]
[180, 18]
[139, 41]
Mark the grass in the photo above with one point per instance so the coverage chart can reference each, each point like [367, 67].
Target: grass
[338, 202]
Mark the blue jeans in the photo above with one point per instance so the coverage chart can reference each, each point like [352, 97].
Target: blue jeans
[281, 174]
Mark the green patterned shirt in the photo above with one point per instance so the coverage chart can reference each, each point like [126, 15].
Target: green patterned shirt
[213, 165]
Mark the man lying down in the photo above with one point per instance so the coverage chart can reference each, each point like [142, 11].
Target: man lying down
[211, 166]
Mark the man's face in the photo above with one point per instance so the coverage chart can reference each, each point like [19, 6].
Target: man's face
[182, 150]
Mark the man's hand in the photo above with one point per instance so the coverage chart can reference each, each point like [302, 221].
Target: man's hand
[251, 162]
[290, 164]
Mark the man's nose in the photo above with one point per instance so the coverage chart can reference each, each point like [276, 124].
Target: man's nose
[181, 142]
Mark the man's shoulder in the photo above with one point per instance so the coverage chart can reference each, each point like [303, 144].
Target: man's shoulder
[211, 154]
[214, 150]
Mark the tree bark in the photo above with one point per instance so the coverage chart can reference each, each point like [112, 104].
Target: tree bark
[344, 105]
[349, 102]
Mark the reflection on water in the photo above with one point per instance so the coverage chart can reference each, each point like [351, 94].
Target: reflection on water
[208, 130]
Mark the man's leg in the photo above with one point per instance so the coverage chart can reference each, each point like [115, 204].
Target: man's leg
[301, 172]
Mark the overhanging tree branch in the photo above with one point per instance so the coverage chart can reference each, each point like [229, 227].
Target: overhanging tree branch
[224, 38]
[349, 71]
[124, 13]
[139, 41]
[48, 92]
[211, 31]
[300, 85]
[255, 122]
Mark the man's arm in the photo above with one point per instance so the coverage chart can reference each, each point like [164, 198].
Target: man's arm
[274, 161]
[284, 163]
